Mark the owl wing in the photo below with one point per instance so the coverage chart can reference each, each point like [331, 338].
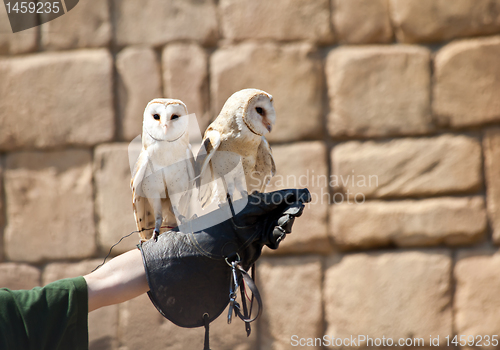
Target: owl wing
[143, 213]
[264, 164]
[205, 183]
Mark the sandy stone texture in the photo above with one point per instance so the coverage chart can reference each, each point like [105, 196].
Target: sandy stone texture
[407, 223]
[139, 81]
[379, 91]
[103, 322]
[86, 25]
[142, 326]
[20, 42]
[74, 103]
[441, 165]
[392, 294]
[491, 146]
[2, 211]
[113, 196]
[284, 285]
[185, 77]
[49, 206]
[467, 81]
[161, 22]
[291, 73]
[477, 303]
[303, 165]
[425, 21]
[19, 276]
[362, 21]
[283, 20]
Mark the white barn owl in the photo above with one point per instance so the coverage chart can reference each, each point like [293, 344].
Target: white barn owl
[246, 117]
[164, 172]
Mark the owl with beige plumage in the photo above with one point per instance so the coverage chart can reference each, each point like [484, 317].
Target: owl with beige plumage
[240, 129]
[164, 172]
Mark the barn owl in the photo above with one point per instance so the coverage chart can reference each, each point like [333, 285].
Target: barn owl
[239, 129]
[164, 171]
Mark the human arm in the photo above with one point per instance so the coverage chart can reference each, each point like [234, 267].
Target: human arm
[55, 316]
[119, 280]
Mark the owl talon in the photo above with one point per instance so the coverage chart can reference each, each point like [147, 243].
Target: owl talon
[156, 233]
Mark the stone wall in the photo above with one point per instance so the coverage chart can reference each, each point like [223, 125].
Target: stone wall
[388, 110]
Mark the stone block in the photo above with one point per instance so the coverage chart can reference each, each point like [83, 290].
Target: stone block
[2, 211]
[19, 276]
[103, 322]
[467, 81]
[291, 292]
[49, 206]
[406, 167]
[66, 96]
[139, 81]
[301, 165]
[141, 324]
[491, 146]
[392, 294]
[231, 336]
[362, 21]
[291, 73]
[283, 20]
[185, 77]
[20, 42]
[59, 270]
[161, 21]
[435, 20]
[379, 91]
[113, 197]
[87, 25]
[477, 303]
[409, 223]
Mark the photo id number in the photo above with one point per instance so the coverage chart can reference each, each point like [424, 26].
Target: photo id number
[32, 7]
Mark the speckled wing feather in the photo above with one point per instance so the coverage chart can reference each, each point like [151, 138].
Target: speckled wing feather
[143, 213]
[265, 168]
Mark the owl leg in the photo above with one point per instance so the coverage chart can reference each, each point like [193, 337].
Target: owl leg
[156, 204]
[241, 187]
[230, 186]
[184, 204]
[178, 215]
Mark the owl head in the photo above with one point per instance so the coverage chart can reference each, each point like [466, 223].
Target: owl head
[165, 119]
[258, 113]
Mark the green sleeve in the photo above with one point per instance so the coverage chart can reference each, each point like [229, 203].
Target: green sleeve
[50, 318]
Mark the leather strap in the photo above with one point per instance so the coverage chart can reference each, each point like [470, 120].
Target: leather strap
[253, 288]
[248, 329]
[206, 345]
[253, 271]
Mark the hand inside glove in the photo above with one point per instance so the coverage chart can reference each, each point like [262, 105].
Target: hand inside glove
[189, 272]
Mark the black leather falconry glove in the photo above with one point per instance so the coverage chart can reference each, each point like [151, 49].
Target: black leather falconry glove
[190, 273]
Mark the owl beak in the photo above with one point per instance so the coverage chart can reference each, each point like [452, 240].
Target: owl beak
[165, 128]
[268, 126]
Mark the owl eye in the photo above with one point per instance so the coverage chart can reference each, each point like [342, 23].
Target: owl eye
[259, 110]
[175, 116]
[156, 116]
